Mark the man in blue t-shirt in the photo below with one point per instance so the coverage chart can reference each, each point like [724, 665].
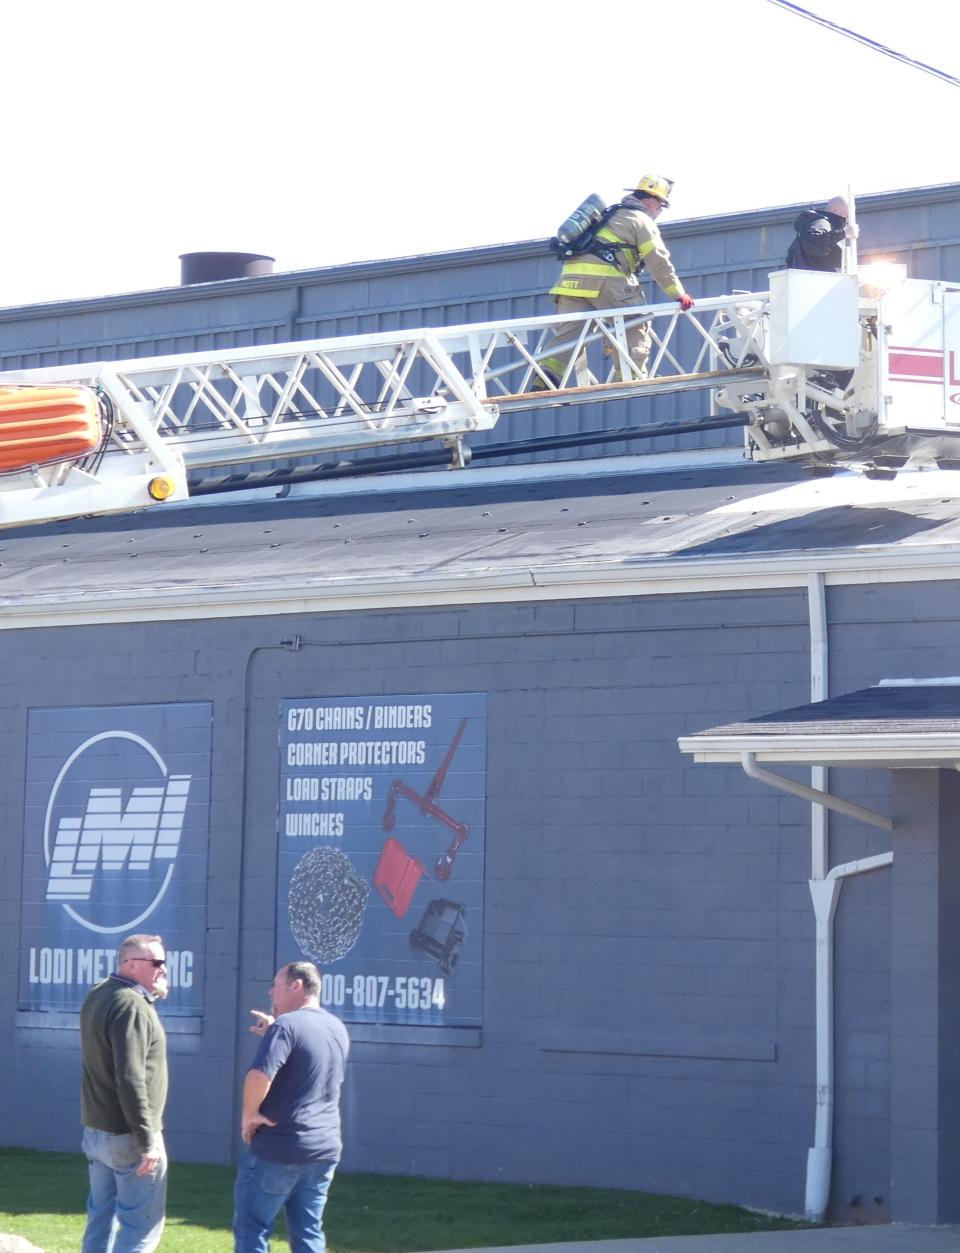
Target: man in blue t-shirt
[291, 1115]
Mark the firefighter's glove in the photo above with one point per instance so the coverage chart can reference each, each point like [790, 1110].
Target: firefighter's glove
[851, 230]
[685, 302]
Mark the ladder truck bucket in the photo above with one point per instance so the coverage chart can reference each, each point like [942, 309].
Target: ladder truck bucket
[49, 425]
[856, 370]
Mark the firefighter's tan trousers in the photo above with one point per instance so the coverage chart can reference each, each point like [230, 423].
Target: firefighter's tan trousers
[614, 294]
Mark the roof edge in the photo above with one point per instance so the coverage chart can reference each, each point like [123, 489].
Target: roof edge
[707, 224]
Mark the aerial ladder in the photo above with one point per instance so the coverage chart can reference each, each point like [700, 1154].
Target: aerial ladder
[828, 370]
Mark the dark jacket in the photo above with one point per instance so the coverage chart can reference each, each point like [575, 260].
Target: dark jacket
[124, 1062]
[818, 242]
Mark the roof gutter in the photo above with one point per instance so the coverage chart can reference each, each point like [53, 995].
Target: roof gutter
[570, 580]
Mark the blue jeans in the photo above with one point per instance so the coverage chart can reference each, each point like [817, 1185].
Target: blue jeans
[263, 1187]
[124, 1209]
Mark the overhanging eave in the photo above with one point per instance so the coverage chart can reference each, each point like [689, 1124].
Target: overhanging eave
[923, 752]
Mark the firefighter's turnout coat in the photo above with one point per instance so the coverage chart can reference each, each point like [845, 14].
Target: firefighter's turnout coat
[590, 282]
[636, 242]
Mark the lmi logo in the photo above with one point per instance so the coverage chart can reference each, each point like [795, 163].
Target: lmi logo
[113, 855]
[147, 829]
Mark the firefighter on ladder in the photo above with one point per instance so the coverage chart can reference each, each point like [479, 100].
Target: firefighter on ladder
[607, 277]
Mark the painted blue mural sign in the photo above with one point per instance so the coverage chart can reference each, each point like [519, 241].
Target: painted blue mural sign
[115, 843]
[381, 825]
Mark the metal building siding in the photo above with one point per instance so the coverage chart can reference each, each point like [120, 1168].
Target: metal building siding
[715, 256]
[125, 327]
[655, 938]
[649, 941]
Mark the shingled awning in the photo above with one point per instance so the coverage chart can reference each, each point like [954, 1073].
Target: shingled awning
[899, 723]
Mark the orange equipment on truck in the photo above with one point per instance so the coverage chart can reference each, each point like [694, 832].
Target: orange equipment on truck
[44, 425]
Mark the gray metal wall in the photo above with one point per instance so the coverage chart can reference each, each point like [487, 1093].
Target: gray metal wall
[716, 256]
[648, 1018]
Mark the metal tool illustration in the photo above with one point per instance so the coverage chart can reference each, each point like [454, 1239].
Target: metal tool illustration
[440, 933]
[427, 804]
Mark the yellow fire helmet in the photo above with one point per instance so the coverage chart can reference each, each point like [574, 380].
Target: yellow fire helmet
[654, 185]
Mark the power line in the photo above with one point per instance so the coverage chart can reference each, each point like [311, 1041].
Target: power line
[867, 42]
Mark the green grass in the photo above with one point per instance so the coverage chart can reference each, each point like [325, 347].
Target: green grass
[42, 1197]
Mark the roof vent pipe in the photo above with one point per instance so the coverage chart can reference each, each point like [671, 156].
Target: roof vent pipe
[212, 267]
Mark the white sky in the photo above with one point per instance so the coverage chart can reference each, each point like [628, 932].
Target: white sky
[322, 131]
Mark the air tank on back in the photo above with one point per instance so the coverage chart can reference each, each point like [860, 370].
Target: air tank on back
[581, 219]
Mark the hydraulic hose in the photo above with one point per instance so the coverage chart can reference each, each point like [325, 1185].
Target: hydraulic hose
[442, 456]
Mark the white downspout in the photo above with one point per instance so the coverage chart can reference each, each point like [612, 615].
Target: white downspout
[749, 763]
[825, 890]
[820, 1155]
[819, 690]
[826, 894]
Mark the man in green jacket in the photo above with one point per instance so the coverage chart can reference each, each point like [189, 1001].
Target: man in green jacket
[122, 1100]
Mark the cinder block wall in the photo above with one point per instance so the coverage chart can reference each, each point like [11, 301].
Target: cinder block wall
[648, 1003]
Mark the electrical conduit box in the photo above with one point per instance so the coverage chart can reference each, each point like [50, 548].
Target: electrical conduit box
[814, 319]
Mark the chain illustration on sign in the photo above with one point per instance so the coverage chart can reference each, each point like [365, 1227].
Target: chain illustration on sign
[326, 902]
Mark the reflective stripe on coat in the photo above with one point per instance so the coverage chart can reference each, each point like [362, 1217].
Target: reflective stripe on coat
[641, 241]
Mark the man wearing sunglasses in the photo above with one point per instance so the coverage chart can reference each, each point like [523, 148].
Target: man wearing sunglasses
[122, 1099]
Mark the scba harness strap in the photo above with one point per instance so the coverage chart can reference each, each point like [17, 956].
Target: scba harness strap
[609, 251]
[587, 241]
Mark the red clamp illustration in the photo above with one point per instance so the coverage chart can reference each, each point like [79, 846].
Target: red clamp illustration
[429, 808]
